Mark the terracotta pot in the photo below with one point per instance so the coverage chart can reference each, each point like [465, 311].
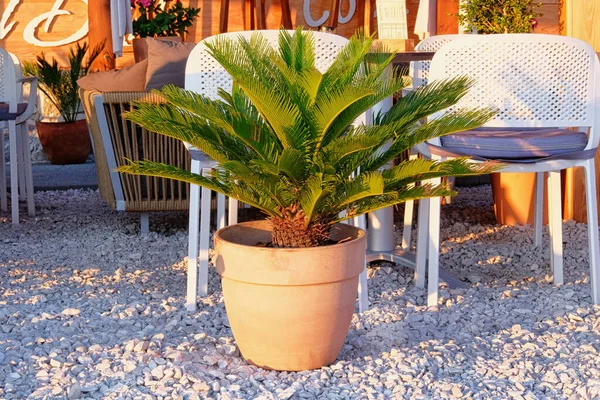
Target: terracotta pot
[514, 197]
[140, 46]
[289, 309]
[65, 142]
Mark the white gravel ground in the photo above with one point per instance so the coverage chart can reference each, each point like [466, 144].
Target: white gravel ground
[89, 309]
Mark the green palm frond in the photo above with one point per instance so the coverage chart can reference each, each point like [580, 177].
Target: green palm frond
[284, 135]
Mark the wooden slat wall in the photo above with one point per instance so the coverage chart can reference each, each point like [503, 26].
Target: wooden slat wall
[579, 18]
[208, 22]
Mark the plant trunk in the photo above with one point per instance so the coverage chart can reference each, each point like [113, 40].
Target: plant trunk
[290, 231]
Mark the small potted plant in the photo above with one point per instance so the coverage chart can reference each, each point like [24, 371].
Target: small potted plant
[67, 140]
[152, 20]
[285, 144]
[498, 16]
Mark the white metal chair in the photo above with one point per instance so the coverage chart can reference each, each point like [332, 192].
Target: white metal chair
[419, 70]
[541, 85]
[205, 75]
[14, 112]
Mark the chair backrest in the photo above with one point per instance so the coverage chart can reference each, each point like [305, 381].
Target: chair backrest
[8, 80]
[204, 75]
[18, 75]
[116, 141]
[533, 80]
[419, 70]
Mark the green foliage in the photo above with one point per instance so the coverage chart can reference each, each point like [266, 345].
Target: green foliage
[154, 21]
[284, 136]
[499, 16]
[60, 85]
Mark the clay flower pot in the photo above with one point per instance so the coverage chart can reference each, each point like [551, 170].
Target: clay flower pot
[65, 142]
[289, 309]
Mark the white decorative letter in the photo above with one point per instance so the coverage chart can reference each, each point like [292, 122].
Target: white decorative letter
[341, 19]
[308, 17]
[351, 11]
[8, 12]
[29, 32]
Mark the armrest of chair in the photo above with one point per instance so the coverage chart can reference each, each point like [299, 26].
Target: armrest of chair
[31, 100]
[27, 79]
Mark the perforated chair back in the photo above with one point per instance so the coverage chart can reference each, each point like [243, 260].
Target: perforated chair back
[532, 80]
[8, 80]
[18, 75]
[205, 75]
[419, 70]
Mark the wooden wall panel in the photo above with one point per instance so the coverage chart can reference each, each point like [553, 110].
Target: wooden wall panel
[579, 18]
[207, 24]
[62, 26]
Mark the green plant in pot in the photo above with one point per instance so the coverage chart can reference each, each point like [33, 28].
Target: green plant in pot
[66, 141]
[499, 16]
[285, 143]
[154, 19]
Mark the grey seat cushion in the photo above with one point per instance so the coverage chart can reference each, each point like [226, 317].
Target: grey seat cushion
[7, 116]
[522, 143]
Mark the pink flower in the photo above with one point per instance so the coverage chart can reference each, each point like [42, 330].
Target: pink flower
[534, 22]
[143, 3]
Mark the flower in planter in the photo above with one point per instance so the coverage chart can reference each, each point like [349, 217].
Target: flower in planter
[155, 21]
[285, 141]
[499, 16]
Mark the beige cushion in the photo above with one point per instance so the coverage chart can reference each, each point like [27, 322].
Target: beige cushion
[166, 63]
[128, 79]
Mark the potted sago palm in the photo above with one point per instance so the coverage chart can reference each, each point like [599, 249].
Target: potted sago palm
[66, 140]
[285, 144]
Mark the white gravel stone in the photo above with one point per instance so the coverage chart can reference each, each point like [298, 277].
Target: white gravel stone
[91, 309]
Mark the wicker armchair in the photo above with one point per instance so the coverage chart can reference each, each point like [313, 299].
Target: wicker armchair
[115, 139]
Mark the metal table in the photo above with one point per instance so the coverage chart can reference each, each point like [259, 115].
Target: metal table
[380, 239]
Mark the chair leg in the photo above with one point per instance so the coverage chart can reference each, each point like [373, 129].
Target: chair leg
[452, 183]
[232, 217]
[20, 164]
[538, 213]
[555, 226]
[144, 223]
[204, 238]
[408, 219]
[28, 172]
[422, 232]
[220, 211]
[434, 248]
[14, 179]
[363, 289]
[3, 191]
[363, 285]
[193, 231]
[593, 240]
